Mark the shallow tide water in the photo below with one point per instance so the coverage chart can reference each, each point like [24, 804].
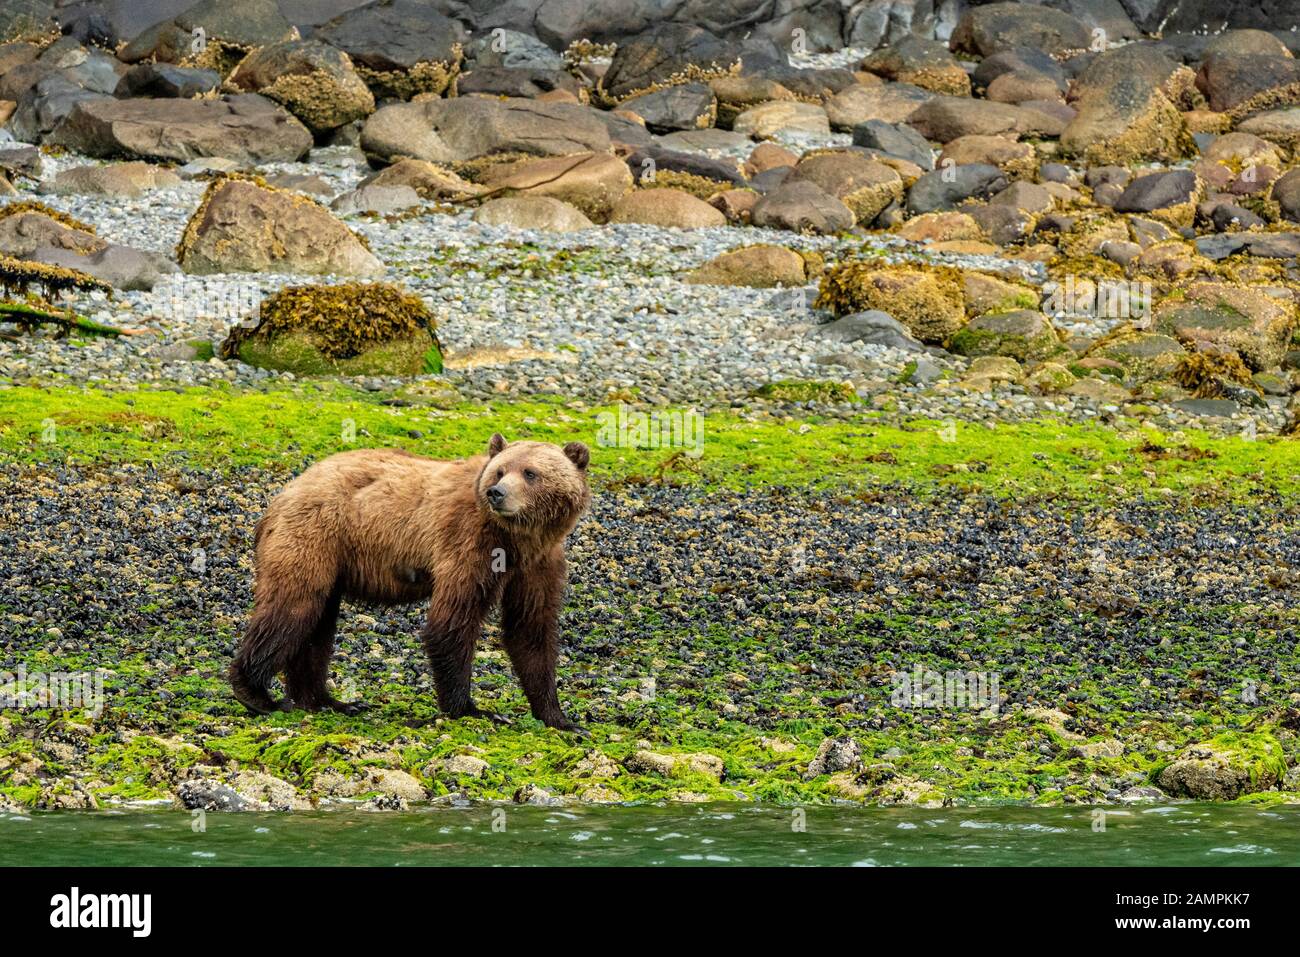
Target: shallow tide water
[681, 835]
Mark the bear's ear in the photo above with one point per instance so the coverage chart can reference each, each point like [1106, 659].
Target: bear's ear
[496, 445]
[578, 454]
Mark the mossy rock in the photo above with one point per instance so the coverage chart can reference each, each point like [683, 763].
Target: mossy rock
[1225, 767]
[929, 302]
[795, 390]
[348, 329]
[1024, 335]
[1143, 355]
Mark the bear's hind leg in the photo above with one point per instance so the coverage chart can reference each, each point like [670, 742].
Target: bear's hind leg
[277, 634]
[307, 673]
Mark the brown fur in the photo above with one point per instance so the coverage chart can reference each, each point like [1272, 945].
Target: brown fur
[388, 527]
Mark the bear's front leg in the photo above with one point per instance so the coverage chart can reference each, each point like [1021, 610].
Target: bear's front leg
[450, 636]
[530, 625]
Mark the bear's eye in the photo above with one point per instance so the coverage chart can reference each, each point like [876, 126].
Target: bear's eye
[529, 474]
[501, 473]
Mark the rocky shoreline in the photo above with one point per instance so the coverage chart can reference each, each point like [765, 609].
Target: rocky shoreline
[1081, 216]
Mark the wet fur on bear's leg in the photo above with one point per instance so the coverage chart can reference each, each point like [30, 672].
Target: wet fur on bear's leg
[307, 674]
[530, 613]
[450, 636]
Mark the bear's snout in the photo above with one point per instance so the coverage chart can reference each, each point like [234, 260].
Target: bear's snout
[496, 496]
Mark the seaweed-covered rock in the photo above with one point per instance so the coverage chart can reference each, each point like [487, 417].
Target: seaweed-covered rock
[27, 225]
[1225, 768]
[864, 185]
[1127, 110]
[924, 63]
[929, 302]
[313, 81]
[1221, 316]
[399, 47]
[1023, 334]
[244, 226]
[665, 55]
[348, 329]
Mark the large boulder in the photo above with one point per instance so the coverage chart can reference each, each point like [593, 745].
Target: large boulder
[1219, 316]
[782, 116]
[685, 106]
[249, 129]
[211, 34]
[666, 207]
[593, 182]
[995, 27]
[26, 226]
[1126, 109]
[1224, 769]
[313, 81]
[898, 140]
[347, 329]
[761, 267]
[122, 267]
[1242, 84]
[924, 63]
[664, 55]
[866, 186]
[399, 47]
[453, 131]
[889, 102]
[944, 118]
[166, 80]
[802, 206]
[241, 226]
[943, 189]
[929, 303]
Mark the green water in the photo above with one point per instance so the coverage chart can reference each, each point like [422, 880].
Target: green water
[687, 835]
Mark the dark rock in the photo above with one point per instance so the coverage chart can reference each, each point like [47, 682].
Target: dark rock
[802, 206]
[874, 327]
[687, 106]
[664, 52]
[1158, 191]
[895, 139]
[943, 189]
[165, 80]
[989, 29]
[659, 159]
[525, 82]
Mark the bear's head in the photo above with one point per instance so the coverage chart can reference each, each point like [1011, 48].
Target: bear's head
[535, 486]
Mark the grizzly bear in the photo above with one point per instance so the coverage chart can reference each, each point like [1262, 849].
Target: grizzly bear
[388, 527]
